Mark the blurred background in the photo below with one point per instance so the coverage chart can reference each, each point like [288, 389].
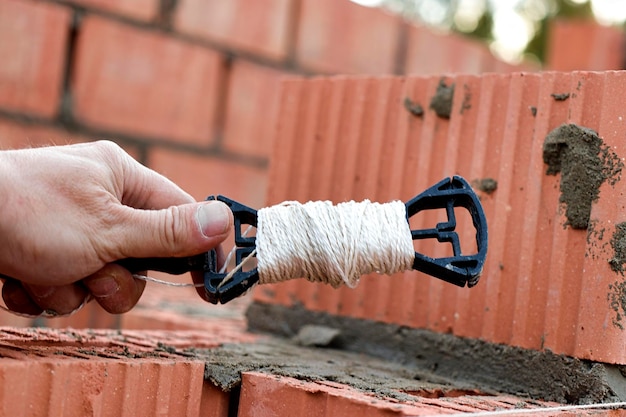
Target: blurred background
[191, 88]
[514, 29]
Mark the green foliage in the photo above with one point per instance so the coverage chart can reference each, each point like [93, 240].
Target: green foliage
[564, 9]
[569, 9]
[484, 28]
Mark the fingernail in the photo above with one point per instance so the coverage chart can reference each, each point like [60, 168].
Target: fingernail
[213, 218]
[103, 287]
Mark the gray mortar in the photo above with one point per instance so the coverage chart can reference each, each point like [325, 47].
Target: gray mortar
[618, 243]
[486, 185]
[474, 363]
[441, 102]
[225, 365]
[617, 300]
[560, 97]
[413, 107]
[617, 291]
[585, 163]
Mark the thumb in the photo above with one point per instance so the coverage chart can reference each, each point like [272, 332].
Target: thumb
[183, 230]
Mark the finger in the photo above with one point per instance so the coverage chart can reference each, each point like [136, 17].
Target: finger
[63, 299]
[135, 184]
[114, 288]
[17, 299]
[173, 232]
[147, 189]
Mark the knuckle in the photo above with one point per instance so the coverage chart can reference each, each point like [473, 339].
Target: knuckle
[107, 146]
[172, 228]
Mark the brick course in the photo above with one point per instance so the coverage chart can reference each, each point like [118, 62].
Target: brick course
[251, 106]
[144, 83]
[202, 176]
[260, 27]
[33, 38]
[340, 36]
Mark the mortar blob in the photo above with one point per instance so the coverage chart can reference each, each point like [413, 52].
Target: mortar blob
[585, 163]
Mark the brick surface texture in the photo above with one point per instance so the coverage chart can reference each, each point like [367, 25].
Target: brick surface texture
[544, 285]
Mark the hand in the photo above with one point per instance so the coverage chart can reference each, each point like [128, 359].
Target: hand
[69, 212]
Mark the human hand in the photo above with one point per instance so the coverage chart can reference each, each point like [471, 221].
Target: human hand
[69, 212]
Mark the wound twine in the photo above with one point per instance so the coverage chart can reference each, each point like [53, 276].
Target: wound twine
[334, 244]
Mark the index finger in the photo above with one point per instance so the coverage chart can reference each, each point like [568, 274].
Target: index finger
[145, 188]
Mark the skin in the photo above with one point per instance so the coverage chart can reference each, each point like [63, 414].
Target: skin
[69, 212]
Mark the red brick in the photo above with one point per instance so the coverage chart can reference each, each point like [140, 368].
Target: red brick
[214, 401]
[552, 287]
[584, 45]
[33, 47]
[251, 109]
[256, 26]
[429, 52]
[144, 83]
[76, 373]
[203, 176]
[265, 395]
[341, 36]
[277, 396]
[136, 9]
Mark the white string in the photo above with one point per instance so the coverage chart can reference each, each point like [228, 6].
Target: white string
[168, 283]
[517, 411]
[232, 252]
[230, 275]
[333, 244]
